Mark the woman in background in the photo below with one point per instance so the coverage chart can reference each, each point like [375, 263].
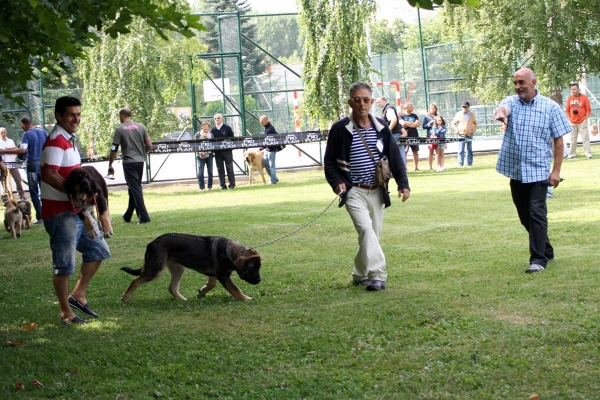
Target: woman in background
[428, 126]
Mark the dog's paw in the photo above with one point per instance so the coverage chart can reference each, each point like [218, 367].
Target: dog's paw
[108, 233]
[245, 298]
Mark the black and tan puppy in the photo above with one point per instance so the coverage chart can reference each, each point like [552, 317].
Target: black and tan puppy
[13, 218]
[86, 188]
[25, 208]
[214, 256]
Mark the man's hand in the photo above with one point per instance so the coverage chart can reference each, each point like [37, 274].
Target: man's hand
[554, 179]
[501, 115]
[404, 193]
[341, 188]
[404, 132]
[111, 170]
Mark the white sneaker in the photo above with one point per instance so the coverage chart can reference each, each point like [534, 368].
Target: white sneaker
[589, 155]
[570, 157]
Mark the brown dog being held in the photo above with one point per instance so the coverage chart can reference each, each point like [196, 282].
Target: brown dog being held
[13, 218]
[87, 189]
[255, 160]
[214, 256]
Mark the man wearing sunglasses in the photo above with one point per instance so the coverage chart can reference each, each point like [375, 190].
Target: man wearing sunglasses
[350, 171]
[221, 130]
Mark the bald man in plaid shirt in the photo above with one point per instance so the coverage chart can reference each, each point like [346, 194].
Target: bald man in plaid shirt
[534, 122]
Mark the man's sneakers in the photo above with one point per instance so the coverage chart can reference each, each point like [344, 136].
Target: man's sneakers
[375, 285]
[588, 155]
[370, 285]
[84, 308]
[570, 157]
[534, 268]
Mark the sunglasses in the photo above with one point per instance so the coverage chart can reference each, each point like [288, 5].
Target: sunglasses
[358, 100]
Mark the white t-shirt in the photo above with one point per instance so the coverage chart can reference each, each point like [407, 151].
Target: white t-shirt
[5, 144]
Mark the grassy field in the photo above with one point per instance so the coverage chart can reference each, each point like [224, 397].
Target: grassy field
[459, 319]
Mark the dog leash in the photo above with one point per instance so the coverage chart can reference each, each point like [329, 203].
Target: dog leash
[303, 226]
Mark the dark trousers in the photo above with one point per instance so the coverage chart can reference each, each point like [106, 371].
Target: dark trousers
[225, 156]
[133, 176]
[530, 200]
[209, 169]
[33, 181]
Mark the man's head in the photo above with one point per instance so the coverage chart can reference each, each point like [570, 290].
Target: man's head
[465, 107]
[575, 89]
[3, 132]
[67, 111]
[361, 99]
[264, 120]
[524, 81]
[125, 114]
[26, 124]
[381, 101]
[218, 119]
[409, 107]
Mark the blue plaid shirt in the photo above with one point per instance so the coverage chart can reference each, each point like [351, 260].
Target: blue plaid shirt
[526, 150]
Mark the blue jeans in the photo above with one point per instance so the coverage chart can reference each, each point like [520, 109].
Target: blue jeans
[270, 165]
[33, 181]
[67, 234]
[461, 150]
[209, 169]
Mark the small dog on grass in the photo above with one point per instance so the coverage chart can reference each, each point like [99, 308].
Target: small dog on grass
[25, 208]
[214, 256]
[13, 218]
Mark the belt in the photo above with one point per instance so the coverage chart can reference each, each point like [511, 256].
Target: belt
[368, 187]
[33, 162]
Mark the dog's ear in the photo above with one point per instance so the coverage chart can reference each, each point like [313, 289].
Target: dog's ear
[248, 260]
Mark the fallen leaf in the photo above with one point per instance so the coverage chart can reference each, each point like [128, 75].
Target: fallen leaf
[19, 386]
[37, 383]
[269, 369]
[73, 371]
[534, 397]
[6, 274]
[14, 344]
[29, 326]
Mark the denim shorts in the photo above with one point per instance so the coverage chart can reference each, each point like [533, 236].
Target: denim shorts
[67, 233]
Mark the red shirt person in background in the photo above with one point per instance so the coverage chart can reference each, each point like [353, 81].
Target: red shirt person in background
[578, 111]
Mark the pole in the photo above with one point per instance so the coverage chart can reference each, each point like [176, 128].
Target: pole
[423, 60]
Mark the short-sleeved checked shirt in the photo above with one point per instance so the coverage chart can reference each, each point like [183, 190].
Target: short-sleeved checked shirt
[526, 151]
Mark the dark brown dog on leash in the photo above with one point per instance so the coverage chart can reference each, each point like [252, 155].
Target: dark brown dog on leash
[214, 256]
[86, 188]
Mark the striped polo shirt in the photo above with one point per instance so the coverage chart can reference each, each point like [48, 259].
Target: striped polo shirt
[362, 167]
[58, 153]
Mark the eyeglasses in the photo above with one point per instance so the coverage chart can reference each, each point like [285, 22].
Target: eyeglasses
[358, 100]
[217, 118]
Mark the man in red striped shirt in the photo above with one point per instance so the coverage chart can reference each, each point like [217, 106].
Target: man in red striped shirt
[67, 234]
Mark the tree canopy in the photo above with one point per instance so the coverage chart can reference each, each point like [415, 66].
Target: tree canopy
[558, 39]
[49, 34]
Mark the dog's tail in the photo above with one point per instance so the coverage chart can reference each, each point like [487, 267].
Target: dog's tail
[136, 272]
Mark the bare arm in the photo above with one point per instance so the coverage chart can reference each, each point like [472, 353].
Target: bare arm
[148, 143]
[554, 178]
[53, 178]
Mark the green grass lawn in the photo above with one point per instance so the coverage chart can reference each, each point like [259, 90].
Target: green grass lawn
[459, 319]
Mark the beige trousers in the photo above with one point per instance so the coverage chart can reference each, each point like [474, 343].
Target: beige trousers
[366, 209]
[580, 129]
